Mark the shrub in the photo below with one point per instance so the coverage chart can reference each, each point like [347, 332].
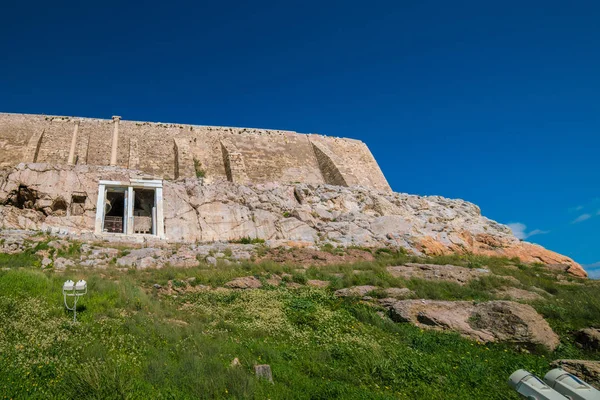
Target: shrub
[248, 240]
[200, 172]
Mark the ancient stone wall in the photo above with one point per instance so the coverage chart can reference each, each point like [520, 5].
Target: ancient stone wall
[174, 151]
[353, 160]
[17, 141]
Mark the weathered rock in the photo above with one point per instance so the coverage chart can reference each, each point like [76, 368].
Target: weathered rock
[46, 262]
[211, 260]
[246, 282]
[235, 363]
[588, 371]
[35, 197]
[62, 263]
[589, 338]
[137, 257]
[146, 262]
[513, 322]
[451, 273]
[263, 371]
[488, 322]
[355, 291]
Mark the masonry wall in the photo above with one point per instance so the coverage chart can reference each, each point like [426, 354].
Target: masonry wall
[354, 161]
[16, 130]
[172, 151]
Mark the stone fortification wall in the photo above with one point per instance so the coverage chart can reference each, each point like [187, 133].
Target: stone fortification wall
[173, 151]
[16, 132]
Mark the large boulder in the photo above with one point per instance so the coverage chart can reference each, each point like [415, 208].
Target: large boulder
[492, 321]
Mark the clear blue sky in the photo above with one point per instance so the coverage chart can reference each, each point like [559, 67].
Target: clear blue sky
[494, 103]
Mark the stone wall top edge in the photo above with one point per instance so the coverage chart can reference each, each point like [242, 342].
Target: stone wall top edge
[171, 125]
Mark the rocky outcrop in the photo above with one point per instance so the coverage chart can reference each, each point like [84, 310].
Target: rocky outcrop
[588, 371]
[492, 321]
[40, 197]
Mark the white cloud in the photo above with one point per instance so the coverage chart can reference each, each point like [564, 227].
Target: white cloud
[581, 218]
[520, 230]
[537, 232]
[593, 270]
[578, 208]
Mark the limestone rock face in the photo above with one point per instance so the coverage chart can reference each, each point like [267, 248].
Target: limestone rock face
[488, 322]
[39, 197]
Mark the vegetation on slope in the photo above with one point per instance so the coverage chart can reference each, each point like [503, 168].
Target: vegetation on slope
[133, 341]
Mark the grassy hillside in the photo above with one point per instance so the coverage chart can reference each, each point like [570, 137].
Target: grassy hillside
[135, 341]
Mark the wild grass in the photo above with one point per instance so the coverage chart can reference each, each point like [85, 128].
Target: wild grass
[25, 259]
[131, 342]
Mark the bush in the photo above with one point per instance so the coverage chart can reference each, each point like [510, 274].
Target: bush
[200, 172]
[248, 240]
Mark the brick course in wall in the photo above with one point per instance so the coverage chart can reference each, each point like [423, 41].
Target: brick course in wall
[174, 151]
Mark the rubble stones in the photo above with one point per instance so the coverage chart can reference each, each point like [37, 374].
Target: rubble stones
[61, 263]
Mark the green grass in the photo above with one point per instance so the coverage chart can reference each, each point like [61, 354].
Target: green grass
[20, 260]
[74, 250]
[200, 172]
[132, 343]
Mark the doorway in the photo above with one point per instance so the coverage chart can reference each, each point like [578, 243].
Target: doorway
[115, 210]
[144, 211]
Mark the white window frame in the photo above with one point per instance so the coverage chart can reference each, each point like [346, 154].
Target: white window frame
[158, 221]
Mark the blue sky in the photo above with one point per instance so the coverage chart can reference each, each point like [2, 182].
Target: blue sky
[494, 103]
